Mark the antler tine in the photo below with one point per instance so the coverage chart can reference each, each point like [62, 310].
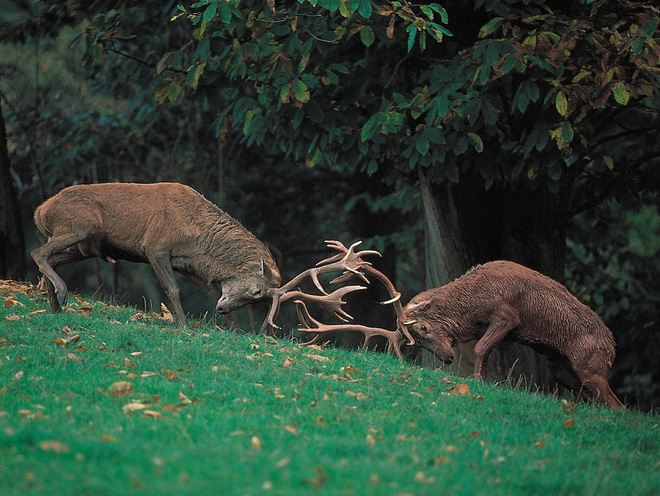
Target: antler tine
[350, 264]
[311, 325]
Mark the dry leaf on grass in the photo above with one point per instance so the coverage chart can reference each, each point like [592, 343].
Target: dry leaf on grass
[10, 302]
[256, 443]
[291, 430]
[167, 315]
[69, 340]
[131, 407]
[120, 388]
[55, 446]
[318, 358]
[171, 375]
[460, 390]
[152, 413]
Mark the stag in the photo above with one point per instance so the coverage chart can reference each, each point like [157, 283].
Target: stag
[495, 301]
[167, 225]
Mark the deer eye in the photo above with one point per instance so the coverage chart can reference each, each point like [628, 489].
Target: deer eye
[424, 329]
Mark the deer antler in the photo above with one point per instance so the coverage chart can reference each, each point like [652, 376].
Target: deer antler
[350, 264]
[314, 326]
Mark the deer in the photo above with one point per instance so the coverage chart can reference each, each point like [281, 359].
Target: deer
[170, 226]
[491, 302]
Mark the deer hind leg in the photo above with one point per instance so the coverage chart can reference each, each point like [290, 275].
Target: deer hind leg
[503, 321]
[56, 252]
[163, 269]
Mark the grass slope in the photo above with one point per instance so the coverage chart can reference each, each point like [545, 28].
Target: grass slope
[137, 406]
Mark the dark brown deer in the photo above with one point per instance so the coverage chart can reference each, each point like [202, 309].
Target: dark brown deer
[491, 302]
[504, 300]
[168, 225]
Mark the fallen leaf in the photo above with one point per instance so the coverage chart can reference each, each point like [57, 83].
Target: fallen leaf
[256, 443]
[460, 390]
[108, 437]
[131, 407]
[54, 446]
[70, 339]
[19, 375]
[11, 302]
[128, 364]
[148, 373]
[371, 440]
[86, 311]
[152, 414]
[442, 460]
[569, 423]
[318, 358]
[171, 375]
[291, 430]
[283, 462]
[320, 421]
[184, 399]
[167, 315]
[121, 386]
[287, 363]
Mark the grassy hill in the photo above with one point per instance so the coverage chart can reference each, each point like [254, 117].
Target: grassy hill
[106, 400]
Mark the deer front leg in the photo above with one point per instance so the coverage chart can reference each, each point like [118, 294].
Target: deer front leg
[163, 269]
[502, 322]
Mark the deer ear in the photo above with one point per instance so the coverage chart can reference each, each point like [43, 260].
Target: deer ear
[418, 306]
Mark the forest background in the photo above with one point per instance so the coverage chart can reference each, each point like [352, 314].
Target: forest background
[443, 134]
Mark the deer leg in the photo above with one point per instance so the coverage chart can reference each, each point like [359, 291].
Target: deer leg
[56, 252]
[503, 321]
[163, 269]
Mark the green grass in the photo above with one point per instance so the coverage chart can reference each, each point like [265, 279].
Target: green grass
[228, 413]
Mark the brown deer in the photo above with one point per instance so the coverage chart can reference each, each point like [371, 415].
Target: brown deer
[491, 302]
[503, 300]
[168, 225]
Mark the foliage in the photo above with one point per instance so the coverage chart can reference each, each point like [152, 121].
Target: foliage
[101, 399]
[620, 281]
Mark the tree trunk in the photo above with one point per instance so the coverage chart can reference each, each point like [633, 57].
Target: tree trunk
[12, 239]
[476, 226]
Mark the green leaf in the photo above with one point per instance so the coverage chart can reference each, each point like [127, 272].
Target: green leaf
[225, 12]
[412, 31]
[209, 12]
[365, 9]
[490, 27]
[367, 36]
[300, 91]
[561, 104]
[567, 132]
[422, 144]
[621, 93]
[477, 142]
[369, 127]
